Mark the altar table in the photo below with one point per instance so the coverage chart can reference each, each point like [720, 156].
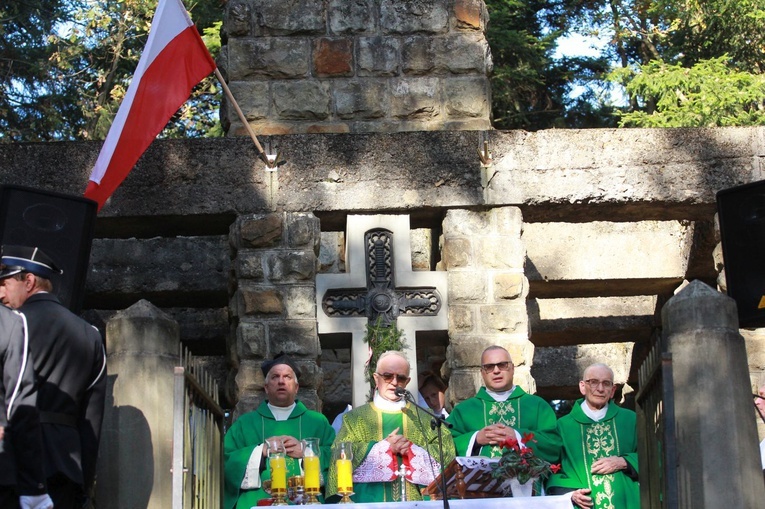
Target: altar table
[548, 502]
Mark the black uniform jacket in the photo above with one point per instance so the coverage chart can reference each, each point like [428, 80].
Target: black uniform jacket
[21, 447]
[70, 365]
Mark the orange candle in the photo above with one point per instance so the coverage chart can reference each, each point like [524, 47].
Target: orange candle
[344, 475]
[278, 466]
[311, 467]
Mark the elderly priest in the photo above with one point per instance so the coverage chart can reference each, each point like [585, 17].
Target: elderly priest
[386, 434]
[282, 417]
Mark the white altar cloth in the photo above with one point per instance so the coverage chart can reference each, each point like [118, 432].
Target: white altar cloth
[548, 502]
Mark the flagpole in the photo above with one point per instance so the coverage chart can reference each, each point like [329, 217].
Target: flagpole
[244, 121]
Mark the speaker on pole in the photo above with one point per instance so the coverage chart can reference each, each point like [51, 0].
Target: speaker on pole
[61, 225]
[741, 212]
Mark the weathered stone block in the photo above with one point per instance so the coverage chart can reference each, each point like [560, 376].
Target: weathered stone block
[501, 252]
[280, 17]
[461, 222]
[260, 301]
[271, 58]
[453, 54]
[352, 17]
[510, 318]
[403, 16]
[249, 264]
[461, 319]
[303, 230]
[471, 14]
[466, 97]
[249, 378]
[467, 286]
[309, 373]
[599, 250]
[415, 98]
[362, 99]
[300, 301]
[507, 220]
[301, 100]
[258, 231]
[378, 56]
[238, 18]
[251, 341]
[291, 266]
[509, 285]
[333, 57]
[294, 337]
[457, 252]
[464, 384]
[253, 98]
[421, 240]
[331, 253]
[564, 365]
[418, 55]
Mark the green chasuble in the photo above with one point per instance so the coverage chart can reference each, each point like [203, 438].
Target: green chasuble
[367, 425]
[250, 430]
[585, 441]
[525, 412]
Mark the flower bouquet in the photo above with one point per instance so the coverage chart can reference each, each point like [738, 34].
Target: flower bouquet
[519, 462]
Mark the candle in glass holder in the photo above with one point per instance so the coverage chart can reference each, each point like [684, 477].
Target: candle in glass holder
[311, 466]
[344, 475]
[278, 465]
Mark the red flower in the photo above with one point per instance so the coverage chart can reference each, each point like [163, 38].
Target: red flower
[528, 437]
[555, 468]
[510, 443]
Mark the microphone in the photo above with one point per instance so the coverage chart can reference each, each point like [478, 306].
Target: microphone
[402, 392]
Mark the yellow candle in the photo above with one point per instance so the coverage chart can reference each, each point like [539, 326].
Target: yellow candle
[311, 467]
[278, 473]
[344, 475]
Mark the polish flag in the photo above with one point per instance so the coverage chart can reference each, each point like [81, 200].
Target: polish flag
[174, 60]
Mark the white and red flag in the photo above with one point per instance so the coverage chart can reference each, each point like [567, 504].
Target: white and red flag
[174, 60]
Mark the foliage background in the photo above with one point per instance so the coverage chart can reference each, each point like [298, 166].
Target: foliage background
[66, 64]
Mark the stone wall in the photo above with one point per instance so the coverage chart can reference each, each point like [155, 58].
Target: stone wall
[304, 66]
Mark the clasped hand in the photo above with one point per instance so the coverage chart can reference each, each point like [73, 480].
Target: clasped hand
[494, 434]
[398, 443]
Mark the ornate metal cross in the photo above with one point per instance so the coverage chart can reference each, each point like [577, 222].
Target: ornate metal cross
[380, 284]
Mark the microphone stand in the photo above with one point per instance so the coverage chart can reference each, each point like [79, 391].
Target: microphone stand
[436, 422]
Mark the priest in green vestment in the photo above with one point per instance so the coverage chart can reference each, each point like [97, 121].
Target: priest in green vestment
[387, 433]
[483, 422]
[245, 446]
[599, 462]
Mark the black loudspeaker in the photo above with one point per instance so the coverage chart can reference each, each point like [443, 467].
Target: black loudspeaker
[741, 212]
[59, 224]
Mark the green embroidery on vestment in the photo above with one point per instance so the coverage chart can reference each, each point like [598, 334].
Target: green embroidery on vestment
[600, 441]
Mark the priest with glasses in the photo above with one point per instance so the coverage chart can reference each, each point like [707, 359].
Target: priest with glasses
[501, 408]
[387, 433]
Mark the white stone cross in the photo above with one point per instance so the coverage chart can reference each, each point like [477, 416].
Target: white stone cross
[360, 297]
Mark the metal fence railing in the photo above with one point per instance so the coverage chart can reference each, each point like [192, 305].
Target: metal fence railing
[198, 421]
[657, 451]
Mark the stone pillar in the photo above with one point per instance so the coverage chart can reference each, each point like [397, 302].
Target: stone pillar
[340, 66]
[275, 259]
[135, 457]
[484, 256]
[718, 458]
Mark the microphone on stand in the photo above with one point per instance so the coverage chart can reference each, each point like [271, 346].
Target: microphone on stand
[403, 393]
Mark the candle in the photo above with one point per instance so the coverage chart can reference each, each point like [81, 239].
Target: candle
[278, 466]
[311, 467]
[344, 475]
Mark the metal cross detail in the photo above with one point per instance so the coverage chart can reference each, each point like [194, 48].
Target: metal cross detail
[380, 284]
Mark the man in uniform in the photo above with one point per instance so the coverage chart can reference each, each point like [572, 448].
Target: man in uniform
[22, 481]
[599, 463]
[500, 409]
[70, 365]
[388, 433]
[281, 417]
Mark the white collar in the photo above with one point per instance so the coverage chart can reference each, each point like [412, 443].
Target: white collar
[500, 396]
[388, 406]
[281, 413]
[595, 415]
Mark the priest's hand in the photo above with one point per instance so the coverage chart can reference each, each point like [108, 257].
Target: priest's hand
[609, 465]
[581, 498]
[292, 447]
[2, 432]
[398, 443]
[494, 434]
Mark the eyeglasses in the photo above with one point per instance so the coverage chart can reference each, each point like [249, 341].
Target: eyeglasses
[503, 366]
[594, 384]
[388, 377]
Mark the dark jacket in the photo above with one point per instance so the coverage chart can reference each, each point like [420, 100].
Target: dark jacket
[21, 448]
[70, 365]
